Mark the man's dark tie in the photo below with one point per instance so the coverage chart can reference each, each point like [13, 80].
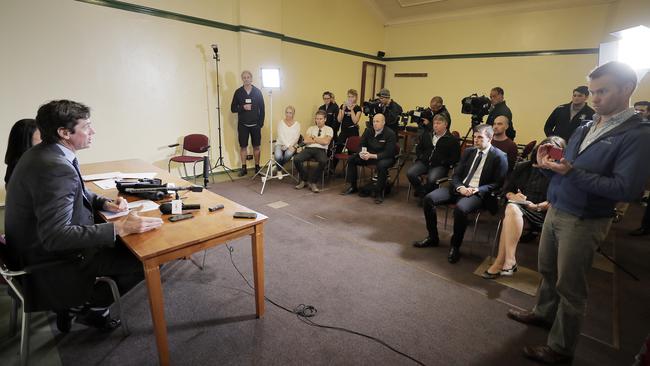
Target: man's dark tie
[75, 163]
[473, 170]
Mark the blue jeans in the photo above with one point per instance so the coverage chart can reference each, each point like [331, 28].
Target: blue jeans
[283, 156]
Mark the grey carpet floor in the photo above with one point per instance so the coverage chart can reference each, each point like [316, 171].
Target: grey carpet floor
[352, 260]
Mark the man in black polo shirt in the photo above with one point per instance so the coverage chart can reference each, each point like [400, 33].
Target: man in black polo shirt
[377, 148]
[499, 108]
[248, 103]
[567, 117]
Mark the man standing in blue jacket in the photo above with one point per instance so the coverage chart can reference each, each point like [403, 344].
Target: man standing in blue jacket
[604, 163]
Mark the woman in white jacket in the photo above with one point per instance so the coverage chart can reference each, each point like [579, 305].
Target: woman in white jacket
[287, 137]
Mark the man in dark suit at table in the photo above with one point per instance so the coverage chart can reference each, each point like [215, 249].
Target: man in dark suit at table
[50, 217]
[480, 172]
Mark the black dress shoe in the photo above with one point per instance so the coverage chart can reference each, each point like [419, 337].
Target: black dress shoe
[545, 354]
[242, 172]
[97, 320]
[379, 199]
[640, 231]
[489, 275]
[454, 254]
[528, 317]
[63, 321]
[350, 190]
[426, 243]
[257, 169]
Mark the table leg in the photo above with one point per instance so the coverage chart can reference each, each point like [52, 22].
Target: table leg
[154, 287]
[258, 268]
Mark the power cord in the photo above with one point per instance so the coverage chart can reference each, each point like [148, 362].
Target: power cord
[305, 312]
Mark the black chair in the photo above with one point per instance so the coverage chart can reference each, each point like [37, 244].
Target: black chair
[13, 278]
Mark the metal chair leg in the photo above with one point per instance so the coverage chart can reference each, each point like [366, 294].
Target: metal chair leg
[24, 338]
[13, 317]
[497, 235]
[118, 303]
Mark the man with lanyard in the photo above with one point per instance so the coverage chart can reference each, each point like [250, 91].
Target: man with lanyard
[567, 117]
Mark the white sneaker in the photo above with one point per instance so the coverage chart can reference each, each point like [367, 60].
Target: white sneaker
[314, 187]
[301, 185]
[279, 174]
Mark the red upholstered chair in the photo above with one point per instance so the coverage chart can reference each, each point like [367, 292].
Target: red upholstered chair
[353, 146]
[194, 143]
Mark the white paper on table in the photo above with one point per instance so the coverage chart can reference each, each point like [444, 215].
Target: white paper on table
[147, 205]
[106, 183]
[101, 176]
[138, 175]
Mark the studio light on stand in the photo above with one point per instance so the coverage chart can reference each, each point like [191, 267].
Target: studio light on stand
[270, 81]
[220, 162]
[630, 48]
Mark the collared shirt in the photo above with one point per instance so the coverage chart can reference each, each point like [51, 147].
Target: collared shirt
[377, 133]
[435, 138]
[69, 154]
[474, 182]
[314, 132]
[615, 121]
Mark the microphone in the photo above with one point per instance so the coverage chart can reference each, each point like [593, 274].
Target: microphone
[215, 48]
[206, 171]
[166, 208]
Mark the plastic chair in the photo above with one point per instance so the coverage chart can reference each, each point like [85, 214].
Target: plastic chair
[194, 143]
[12, 276]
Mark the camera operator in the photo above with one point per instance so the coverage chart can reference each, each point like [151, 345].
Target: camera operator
[567, 117]
[643, 109]
[389, 108]
[332, 109]
[499, 108]
[436, 152]
[436, 106]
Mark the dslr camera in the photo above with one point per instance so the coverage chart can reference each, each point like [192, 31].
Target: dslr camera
[477, 106]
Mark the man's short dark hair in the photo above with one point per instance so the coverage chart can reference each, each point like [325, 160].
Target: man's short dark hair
[328, 93]
[57, 114]
[642, 102]
[321, 112]
[438, 98]
[498, 89]
[622, 72]
[485, 129]
[582, 90]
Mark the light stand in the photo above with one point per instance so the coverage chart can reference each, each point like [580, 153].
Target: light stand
[271, 80]
[220, 162]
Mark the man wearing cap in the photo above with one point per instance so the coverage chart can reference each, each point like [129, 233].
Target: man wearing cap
[567, 117]
[390, 109]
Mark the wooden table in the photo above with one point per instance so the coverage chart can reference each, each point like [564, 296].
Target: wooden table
[181, 239]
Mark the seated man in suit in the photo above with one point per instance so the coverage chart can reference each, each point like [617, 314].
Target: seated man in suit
[377, 147]
[50, 217]
[481, 171]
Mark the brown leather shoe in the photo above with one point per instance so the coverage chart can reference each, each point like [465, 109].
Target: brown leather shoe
[545, 354]
[528, 317]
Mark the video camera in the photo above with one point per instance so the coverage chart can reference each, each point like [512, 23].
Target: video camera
[477, 106]
[371, 107]
[416, 115]
[152, 189]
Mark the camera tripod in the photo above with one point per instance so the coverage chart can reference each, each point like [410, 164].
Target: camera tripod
[476, 120]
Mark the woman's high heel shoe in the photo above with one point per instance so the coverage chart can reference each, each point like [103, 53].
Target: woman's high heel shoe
[510, 271]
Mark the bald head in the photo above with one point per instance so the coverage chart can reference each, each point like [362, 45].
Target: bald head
[378, 122]
[500, 126]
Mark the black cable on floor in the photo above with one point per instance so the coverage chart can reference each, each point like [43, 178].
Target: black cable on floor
[304, 312]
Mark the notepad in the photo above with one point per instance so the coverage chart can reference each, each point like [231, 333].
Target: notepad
[147, 205]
